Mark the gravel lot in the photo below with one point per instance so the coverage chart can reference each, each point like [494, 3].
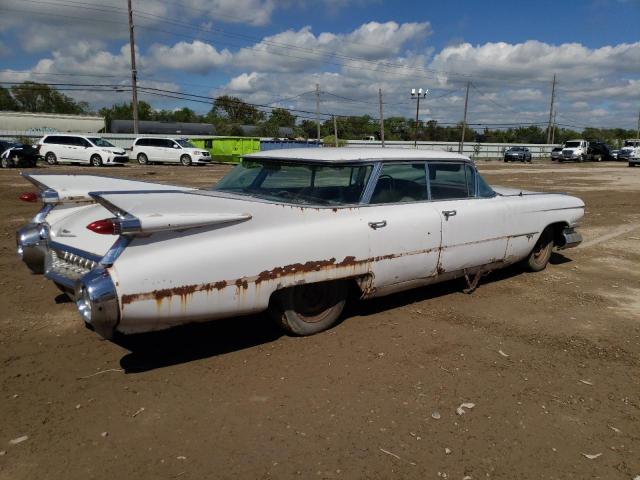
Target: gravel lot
[550, 360]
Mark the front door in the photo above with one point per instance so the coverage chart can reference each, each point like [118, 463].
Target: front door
[404, 228]
[474, 230]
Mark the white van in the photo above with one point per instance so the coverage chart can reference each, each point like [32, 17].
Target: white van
[61, 148]
[172, 150]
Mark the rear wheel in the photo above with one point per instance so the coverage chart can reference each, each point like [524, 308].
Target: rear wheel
[4, 162]
[143, 159]
[51, 158]
[185, 160]
[96, 160]
[541, 253]
[309, 309]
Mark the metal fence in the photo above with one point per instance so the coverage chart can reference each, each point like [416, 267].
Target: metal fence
[484, 151]
[474, 150]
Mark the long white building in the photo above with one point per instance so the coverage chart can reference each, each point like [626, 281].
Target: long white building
[24, 123]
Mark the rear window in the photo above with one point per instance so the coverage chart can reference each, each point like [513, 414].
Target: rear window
[450, 181]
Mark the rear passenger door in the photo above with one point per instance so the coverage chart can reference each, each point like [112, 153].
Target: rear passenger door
[474, 230]
[404, 229]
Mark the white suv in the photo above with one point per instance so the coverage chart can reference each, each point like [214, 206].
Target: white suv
[60, 148]
[172, 150]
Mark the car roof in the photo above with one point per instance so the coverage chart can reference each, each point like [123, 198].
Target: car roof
[355, 155]
[54, 134]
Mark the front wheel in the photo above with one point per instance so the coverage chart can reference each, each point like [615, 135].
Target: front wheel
[50, 158]
[185, 160]
[96, 160]
[308, 309]
[541, 253]
[4, 163]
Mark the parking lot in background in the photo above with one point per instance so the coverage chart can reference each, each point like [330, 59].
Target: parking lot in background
[549, 360]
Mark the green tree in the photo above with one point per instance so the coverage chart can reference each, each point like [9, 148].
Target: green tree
[39, 97]
[124, 111]
[236, 111]
[282, 118]
[6, 100]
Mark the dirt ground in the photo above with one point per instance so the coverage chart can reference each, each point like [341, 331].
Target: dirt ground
[550, 360]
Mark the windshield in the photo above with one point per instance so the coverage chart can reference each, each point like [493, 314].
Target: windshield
[572, 145]
[185, 143]
[100, 142]
[631, 143]
[297, 182]
[515, 149]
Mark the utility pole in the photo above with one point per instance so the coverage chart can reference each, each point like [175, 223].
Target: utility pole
[381, 117]
[464, 119]
[318, 110]
[134, 80]
[553, 94]
[553, 132]
[417, 94]
[335, 130]
[638, 131]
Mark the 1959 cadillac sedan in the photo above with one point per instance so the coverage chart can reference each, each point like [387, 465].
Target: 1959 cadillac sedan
[293, 232]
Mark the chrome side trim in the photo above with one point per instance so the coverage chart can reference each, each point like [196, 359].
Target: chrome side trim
[115, 251]
[42, 213]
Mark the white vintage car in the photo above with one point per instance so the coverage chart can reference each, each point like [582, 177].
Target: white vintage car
[294, 232]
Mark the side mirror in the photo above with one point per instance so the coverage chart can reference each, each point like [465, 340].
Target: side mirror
[176, 146]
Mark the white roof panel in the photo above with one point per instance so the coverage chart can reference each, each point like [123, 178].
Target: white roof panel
[339, 155]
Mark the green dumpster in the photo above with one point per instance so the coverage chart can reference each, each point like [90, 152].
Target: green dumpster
[228, 149]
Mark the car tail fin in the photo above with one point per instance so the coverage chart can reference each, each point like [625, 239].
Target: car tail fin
[63, 188]
[151, 211]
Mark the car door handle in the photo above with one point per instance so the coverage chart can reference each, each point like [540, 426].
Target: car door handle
[449, 213]
[377, 225]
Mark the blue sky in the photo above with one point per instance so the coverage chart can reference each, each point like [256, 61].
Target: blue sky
[268, 50]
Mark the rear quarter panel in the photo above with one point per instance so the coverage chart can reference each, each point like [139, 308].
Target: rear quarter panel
[207, 273]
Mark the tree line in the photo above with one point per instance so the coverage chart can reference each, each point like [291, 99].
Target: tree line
[228, 113]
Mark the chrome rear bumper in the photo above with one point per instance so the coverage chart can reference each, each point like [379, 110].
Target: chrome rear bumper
[31, 245]
[569, 239]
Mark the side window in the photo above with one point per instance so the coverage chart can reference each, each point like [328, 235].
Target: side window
[450, 181]
[143, 142]
[75, 141]
[169, 143]
[401, 182]
[156, 142]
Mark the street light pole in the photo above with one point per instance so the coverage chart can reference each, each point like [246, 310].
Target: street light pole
[417, 94]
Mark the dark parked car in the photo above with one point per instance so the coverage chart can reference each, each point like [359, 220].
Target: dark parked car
[599, 151]
[519, 154]
[14, 154]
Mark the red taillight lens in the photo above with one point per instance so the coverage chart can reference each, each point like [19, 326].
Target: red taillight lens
[29, 197]
[103, 227]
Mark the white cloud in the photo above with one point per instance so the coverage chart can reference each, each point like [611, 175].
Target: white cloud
[292, 50]
[197, 56]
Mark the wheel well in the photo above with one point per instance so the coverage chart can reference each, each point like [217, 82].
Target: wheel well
[357, 287]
